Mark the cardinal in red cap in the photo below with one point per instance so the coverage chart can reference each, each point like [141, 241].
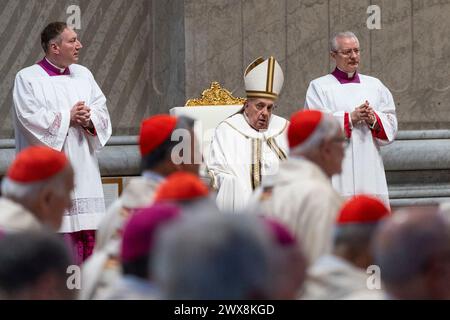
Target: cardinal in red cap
[181, 186]
[188, 191]
[302, 196]
[303, 124]
[342, 274]
[362, 209]
[157, 143]
[155, 131]
[36, 190]
[313, 134]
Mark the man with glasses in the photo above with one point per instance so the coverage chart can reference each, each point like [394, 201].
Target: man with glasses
[366, 110]
[248, 146]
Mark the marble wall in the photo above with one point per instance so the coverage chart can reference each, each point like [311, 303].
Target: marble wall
[410, 53]
[151, 55]
[135, 49]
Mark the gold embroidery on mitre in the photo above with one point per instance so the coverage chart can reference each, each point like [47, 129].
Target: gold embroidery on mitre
[253, 65]
[270, 74]
[261, 94]
[215, 96]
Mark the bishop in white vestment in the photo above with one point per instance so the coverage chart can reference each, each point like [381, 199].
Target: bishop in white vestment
[366, 109]
[59, 104]
[247, 147]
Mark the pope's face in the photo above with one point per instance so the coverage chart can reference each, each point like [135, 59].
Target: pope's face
[69, 47]
[258, 112]
[347, 55]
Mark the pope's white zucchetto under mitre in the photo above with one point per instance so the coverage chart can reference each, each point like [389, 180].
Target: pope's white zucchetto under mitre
[263, 79]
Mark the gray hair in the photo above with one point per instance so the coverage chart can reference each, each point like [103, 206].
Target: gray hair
[28, 192]
[214, 257]
[346, 34]
[327, 128]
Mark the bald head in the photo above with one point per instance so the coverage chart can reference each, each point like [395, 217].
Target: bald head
[410, 248]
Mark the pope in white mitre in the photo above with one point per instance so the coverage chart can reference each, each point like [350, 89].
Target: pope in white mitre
[248, 146]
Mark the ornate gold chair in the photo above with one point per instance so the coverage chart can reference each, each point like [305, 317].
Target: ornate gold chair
[215, 105]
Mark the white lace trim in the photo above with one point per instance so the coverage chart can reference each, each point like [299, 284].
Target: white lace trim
[87, 206]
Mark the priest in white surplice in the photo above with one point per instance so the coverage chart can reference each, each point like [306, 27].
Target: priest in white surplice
[248, 146]
[59, 104]
[366, 109]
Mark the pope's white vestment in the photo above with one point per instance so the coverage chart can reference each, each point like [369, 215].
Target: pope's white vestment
[42, 107]
[362, 168]
[241, 158]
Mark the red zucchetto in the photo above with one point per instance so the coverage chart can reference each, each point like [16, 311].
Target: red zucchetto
[36, 163]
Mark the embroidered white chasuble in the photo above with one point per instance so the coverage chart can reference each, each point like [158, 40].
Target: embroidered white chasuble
[242, 158]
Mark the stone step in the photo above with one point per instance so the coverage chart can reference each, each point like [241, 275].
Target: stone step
[419, 191]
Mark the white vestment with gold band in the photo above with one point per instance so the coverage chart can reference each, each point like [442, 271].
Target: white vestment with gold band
[242, 158]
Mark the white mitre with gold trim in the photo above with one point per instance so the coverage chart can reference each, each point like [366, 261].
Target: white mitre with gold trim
[263, 79]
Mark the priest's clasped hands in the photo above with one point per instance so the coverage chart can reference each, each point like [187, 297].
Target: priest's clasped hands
[364, 113]
[81, 115]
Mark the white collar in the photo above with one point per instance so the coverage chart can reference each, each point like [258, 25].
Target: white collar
[238, 122]
[60, 70]
[349, 74]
